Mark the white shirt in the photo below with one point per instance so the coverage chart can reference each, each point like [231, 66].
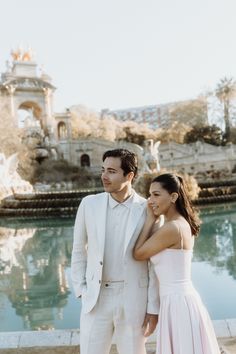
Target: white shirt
[116, 223]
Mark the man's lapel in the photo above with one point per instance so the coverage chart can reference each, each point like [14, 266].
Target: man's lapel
[100, 221]
[134, 217]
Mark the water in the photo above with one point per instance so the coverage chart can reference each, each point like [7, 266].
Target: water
[35, 286]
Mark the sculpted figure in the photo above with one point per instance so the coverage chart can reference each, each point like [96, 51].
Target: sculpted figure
[151, 156]
[10, 180]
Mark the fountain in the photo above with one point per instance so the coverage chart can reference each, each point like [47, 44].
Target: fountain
[10, 180]
[19, 199]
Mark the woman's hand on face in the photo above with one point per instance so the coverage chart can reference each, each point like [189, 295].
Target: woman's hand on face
[150, 213]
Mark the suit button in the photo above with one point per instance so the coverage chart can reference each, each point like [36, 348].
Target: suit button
[100, 281]
[101, 262]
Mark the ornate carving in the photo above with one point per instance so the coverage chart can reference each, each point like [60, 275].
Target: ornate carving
[28, 83]
[47, 91]
[11, 89]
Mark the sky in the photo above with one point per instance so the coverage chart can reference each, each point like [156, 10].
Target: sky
[119, 54]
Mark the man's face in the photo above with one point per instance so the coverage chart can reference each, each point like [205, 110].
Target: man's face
[113, 178]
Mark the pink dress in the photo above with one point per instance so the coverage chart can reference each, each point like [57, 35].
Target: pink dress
[184, 325]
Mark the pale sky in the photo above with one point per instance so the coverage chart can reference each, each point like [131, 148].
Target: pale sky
[124, 53]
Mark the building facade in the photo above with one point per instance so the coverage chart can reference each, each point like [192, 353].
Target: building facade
[190, 112]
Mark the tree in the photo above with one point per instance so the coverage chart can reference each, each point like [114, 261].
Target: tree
[210, 134]
[176, 133]
[12, 142]
[191, 112]
[225, 92]
[136, 133]
[87, 123]
[10, 134]
[233, 135]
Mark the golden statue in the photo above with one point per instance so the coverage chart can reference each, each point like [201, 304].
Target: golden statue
[22, 55]
[16, 54]
[27, 55]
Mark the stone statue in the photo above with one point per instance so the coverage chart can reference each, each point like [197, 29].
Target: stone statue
[151, 157]
[10, 180]
[30, 120]
[53, 153]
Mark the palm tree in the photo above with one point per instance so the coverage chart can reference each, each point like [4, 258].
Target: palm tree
[225, 91]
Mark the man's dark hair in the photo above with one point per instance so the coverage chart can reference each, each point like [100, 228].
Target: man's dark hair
[129, 161]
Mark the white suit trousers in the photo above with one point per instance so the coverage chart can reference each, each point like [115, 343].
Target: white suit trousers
[106, 322]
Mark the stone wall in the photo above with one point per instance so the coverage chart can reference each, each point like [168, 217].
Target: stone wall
[186, 158]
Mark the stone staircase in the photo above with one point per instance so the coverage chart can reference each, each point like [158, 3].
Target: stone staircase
[65, 203]
[44, 204]
[213, 192]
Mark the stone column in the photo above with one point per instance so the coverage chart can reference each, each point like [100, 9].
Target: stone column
[11, 90]
[49, 123]
[48, 111]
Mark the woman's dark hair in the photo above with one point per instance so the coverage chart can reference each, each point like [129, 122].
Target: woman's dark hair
[175, 184]
[129, 162]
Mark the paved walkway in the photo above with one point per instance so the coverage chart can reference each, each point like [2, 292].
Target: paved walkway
[228, 345]
[67, 341]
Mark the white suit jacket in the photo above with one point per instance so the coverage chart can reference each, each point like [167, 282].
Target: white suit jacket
[140, 283]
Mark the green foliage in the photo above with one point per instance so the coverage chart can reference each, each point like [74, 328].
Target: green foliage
[176, 132]
[133, 137]
[233, 135]
[210, 134]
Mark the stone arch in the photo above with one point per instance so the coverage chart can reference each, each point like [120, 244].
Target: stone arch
[62, 130]
[85, 160]
[30, 111]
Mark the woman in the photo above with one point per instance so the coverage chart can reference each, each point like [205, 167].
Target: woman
[184, 326]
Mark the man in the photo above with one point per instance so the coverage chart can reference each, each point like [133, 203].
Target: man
[119, 295]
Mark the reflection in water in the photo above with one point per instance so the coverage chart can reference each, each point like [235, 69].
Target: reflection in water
[32, 273]
[217, 241]
[11, 244]
[35, 289]
[214, 266]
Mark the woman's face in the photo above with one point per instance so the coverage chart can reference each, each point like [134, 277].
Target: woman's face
[160, 200]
